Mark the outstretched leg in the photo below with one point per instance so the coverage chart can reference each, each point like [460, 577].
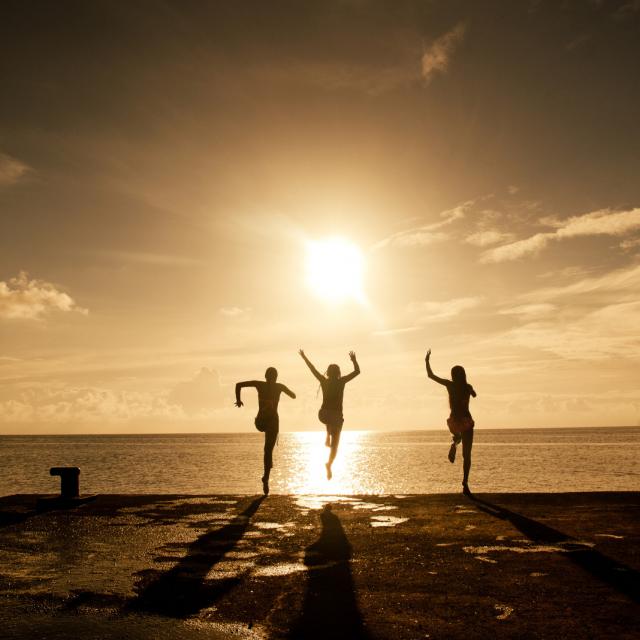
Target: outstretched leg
[270, 438]
[335, 441]
[467, 443]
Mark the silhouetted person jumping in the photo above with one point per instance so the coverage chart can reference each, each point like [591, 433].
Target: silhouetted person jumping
[460, 421]
[330, 413]
[267, 419]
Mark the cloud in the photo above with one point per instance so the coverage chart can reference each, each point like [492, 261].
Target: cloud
[515, 250]
[617, 282]
[413, 238]
[11, 170]
[485, 238]
[596, 223]
[26, 299]
[426, 234]
[603, 222]
[69, 404]
[610, 331]
[589, 319]
[199, 395]
[234, 312]
[436, 59]
[435, 311]
[529, 310]
[630, 243]
[573, 271]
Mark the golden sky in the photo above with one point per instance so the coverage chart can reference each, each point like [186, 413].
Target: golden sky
[165, 167]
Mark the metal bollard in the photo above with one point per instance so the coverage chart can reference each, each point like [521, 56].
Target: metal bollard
[69, 481]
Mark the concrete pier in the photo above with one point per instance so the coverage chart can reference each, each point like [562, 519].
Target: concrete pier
[402, 567]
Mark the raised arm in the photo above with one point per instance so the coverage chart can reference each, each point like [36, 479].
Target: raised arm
[315, 372]
[242, 385]
[356, 368]
[287, 391]
[430, 373]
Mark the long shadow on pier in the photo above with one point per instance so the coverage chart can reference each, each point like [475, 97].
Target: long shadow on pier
[15, 509]
[183, 590]
[619, 576]
[330, 609]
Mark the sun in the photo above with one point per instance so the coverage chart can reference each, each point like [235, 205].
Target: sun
[335, 270]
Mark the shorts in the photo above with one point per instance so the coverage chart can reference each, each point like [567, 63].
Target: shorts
[267, 421]
[331, 418]
[460, 425]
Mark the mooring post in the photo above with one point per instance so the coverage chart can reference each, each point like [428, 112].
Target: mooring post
[69, 481]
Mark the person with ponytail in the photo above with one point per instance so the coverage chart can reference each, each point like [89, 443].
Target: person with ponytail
[460, 422]
[330, 414]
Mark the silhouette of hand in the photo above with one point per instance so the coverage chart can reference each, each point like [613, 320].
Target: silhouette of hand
[301, 352]
[352, 355]
[239, 403]
[428, 355]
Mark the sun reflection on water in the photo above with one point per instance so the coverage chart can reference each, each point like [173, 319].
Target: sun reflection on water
[352, 473]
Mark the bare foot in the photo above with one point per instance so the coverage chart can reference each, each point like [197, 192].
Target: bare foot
[466, 490]
[329, 474]
[452, 453]
[265, 486]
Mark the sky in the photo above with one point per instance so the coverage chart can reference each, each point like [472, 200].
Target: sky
[165, 167]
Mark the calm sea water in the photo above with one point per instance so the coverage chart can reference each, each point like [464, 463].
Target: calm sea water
[523, 460]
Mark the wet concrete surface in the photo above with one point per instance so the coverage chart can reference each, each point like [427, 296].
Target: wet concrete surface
[427, 566]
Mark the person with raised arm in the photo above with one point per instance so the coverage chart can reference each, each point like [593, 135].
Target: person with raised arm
[460, 422]
[330, 414]
[267, 420]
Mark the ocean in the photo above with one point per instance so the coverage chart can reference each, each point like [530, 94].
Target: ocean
[368, 462]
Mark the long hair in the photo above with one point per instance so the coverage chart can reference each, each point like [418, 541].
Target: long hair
[332, 373]
[459, 376]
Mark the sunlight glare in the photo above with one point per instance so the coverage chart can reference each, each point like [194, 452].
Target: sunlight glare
[335, 269]
[351, 473]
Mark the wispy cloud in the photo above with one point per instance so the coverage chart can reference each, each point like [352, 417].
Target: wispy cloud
[419, 237]
[488, 237]
[610, 331]
[517, 249]
[529, 310]
[630, 243]
[11, 170]
[596, 223]
[618, 282]
[435, 311]
[603, 222]
[592, 318]
[27, 299]
[437, 57]
[234, 312]
[426, 234]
